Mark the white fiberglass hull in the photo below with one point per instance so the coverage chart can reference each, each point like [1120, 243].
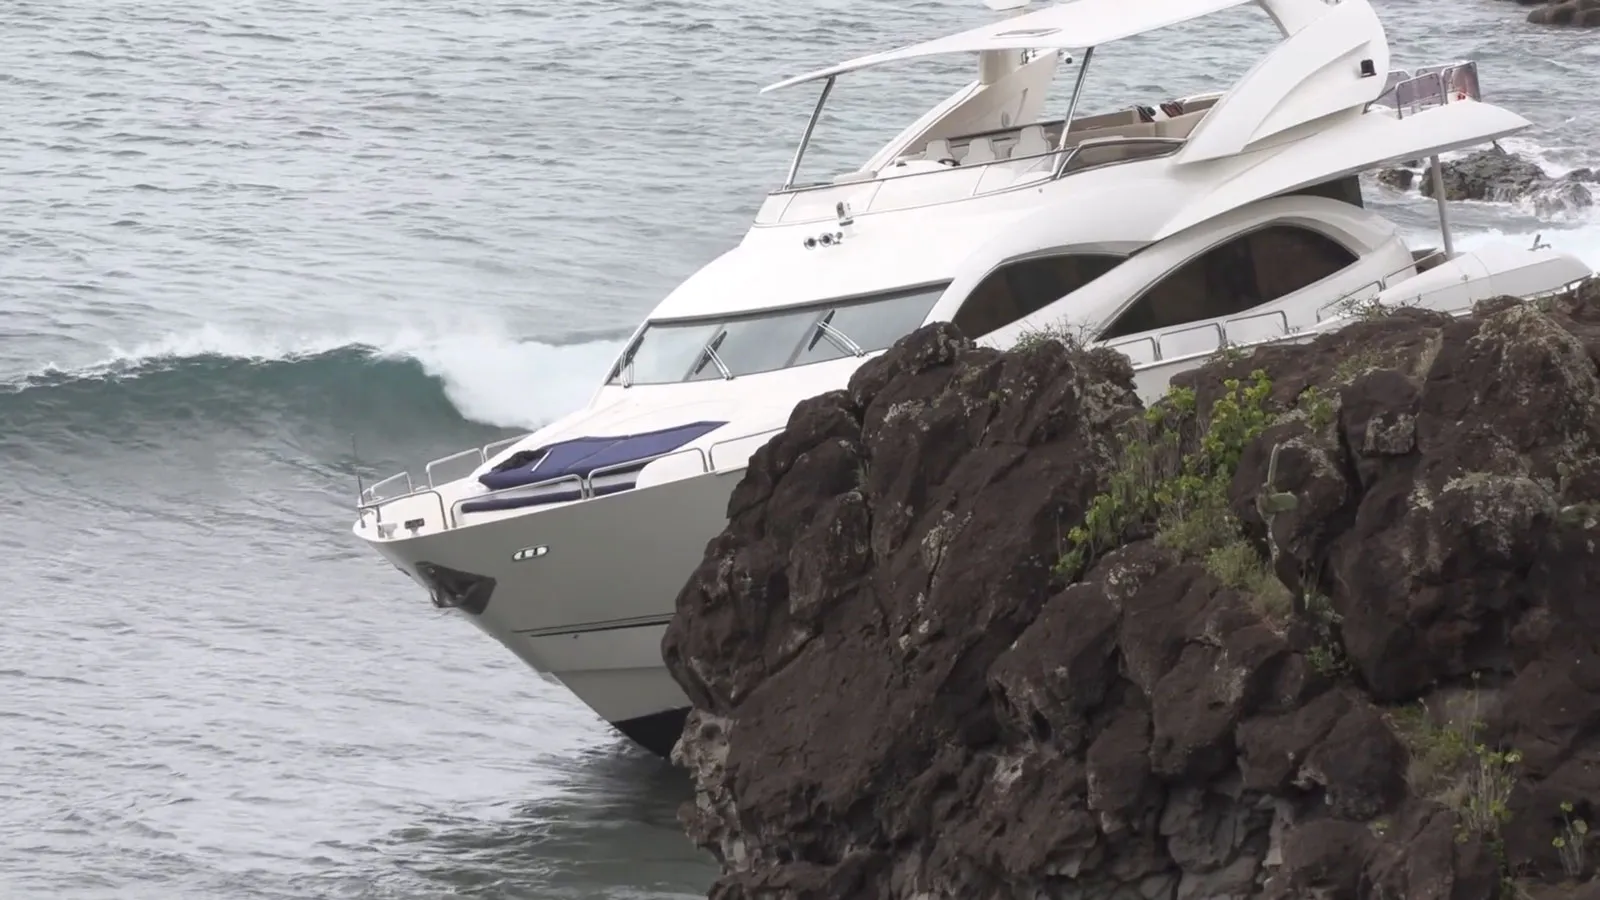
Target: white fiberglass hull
[584, 591]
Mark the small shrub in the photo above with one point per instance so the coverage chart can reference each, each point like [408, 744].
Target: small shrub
[1238, 565]
[1490, 777]
[1436, 751]
[1063, 332]
[1450, 764]
[1228, 354]
[1358, 363]
[1569, 843]
[1174, 473]
[1318, 407]
[1327, 656]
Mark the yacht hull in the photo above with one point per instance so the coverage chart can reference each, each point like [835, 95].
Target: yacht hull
[582, 592]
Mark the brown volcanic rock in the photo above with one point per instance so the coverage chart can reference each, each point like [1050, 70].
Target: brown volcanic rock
[1580, 13]
[897, 697]
[1497, 175]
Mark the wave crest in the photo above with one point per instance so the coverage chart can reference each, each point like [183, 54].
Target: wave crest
[210, 379]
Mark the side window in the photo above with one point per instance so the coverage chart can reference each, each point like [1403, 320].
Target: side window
[1027, 286]
[1250, 270]
[1288, 259]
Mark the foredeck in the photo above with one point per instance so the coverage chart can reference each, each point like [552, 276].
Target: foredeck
[447, 497]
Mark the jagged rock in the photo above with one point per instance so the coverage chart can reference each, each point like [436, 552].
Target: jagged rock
[898, 696]
[1399, 179]
[1581, 13]
[1500, 176]
[1425, 855]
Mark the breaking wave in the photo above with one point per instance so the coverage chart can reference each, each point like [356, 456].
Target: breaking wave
[212, 379]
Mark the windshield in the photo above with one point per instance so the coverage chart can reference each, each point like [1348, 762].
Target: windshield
[747, 346]
[777, 339]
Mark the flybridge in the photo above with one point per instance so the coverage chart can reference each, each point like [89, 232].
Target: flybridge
[1066, 26]
[1327, 62]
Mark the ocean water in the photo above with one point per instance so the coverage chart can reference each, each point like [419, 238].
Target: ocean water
[245, 243]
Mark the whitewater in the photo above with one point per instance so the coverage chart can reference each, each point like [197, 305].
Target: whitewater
[252, 251]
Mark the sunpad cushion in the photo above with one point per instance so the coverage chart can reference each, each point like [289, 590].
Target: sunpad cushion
[581, 456]
[514, 501]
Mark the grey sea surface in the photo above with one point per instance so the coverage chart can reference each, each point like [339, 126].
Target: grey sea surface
[233, 233]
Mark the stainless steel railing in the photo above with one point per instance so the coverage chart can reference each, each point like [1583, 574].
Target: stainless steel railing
[1344, 301]
[1170, 345]
[372, 501]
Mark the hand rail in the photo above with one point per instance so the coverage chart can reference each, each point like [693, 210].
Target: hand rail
[641, 463]
[484, 453]
[372, 490]
[451, 515]
[1382, 284]
[428, 469]
[377, 506]
[1201, 354]
[1155, 346]
[1222, 336]
[1280, 315]
[711, 451]
[1060, 159]
[1343, 301]
[493, 447]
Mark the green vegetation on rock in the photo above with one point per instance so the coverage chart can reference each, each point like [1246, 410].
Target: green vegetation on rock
[1453, 766]
[1173, 476]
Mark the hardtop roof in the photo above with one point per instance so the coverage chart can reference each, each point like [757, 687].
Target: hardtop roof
[1078, 23]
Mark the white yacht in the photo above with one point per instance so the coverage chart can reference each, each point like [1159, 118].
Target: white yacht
[1166, 229]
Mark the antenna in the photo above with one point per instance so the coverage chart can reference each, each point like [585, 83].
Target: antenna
[361, 490]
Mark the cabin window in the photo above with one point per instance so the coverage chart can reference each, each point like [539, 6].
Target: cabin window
[668, 352]
[665, 352]
[755, 344]
[1245, 272]
[874, 325]
[1026, 286]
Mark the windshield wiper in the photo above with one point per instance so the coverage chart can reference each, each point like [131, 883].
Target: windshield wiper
[625, 370]
[709, 354]
[835, 337]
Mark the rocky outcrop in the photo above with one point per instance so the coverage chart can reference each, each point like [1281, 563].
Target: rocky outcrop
[1581, 13]
[1500, 176]
[1322, 623]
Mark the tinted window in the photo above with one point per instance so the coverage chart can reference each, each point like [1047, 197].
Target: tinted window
[1091, 155]
[1027, 286]
[871, 325]
[665, 353]
[762, 342]
[1230, 278]
[758, 344]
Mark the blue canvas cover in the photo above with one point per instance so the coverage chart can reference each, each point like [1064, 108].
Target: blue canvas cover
[581, 456]
[492, 504]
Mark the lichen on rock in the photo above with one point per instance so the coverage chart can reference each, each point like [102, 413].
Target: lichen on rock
[982, 626]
